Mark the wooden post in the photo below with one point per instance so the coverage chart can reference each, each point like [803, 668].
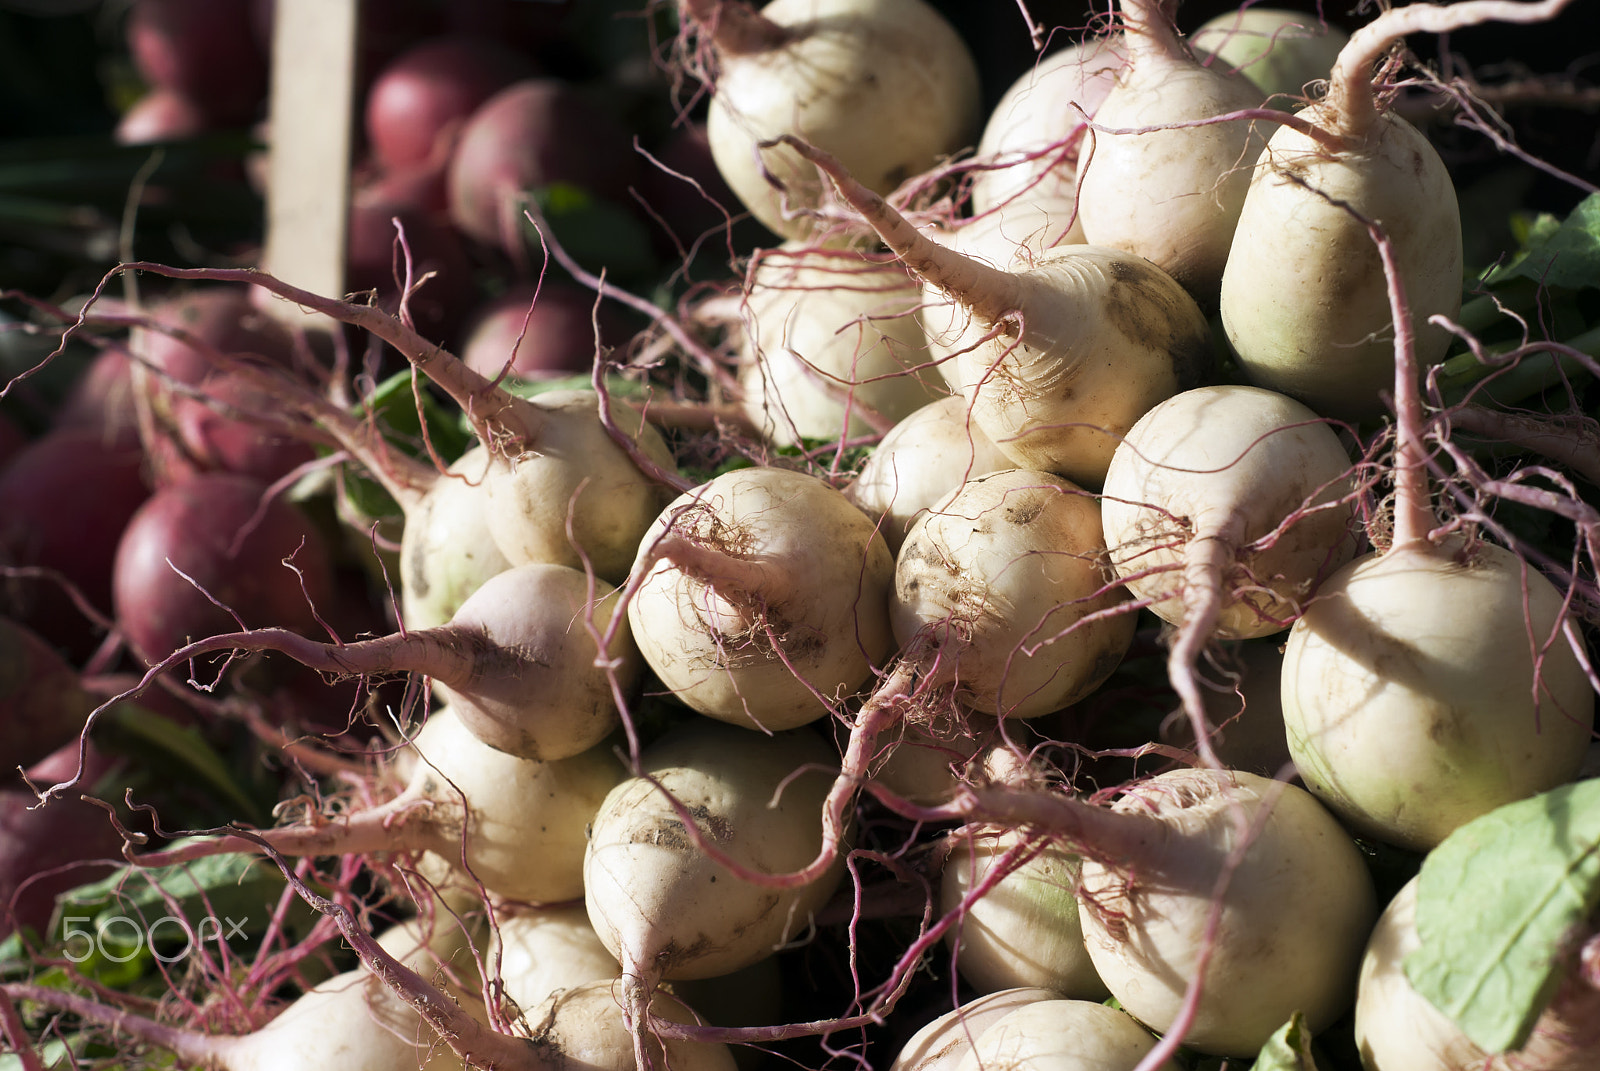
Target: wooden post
[312, 108]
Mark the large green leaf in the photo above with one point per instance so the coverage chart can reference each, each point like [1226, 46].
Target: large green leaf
[1498, 904]
[1567, 255]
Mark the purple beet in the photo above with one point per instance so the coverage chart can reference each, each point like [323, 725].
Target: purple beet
[42, 706]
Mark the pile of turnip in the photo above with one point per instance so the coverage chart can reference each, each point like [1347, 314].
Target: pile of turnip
[1031, 561]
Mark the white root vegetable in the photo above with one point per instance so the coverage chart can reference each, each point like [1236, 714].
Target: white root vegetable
[446, 551]
[1282, 52]
[662, 906]
[514, 825]
[1304, 298]
[1080, 345]
[1063, 1035]
[1029, 148]
[1431, 684]
[762, 598]
[924, 458]
[585, 1029]
[1024, 931]
[886, 85]
[1008, 576]
[827, 335]
[1169, 195]
[1397, 1029]
[1288, 928]
[942, 1044]
[1224, 508]
[539, 952]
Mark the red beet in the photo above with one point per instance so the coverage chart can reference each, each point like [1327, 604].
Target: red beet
[38, 848]
[560, 335]
[102, 397]
[371, 260]
[64, 501]
[428, 92]
[221, 531]
[204, 49]
[532, 134]
[232, 429]
[222, 317]
[42, 706]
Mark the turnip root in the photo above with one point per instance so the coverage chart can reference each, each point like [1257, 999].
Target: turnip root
[1224, 507]
[446, 551]
[1304, 299]
[762, 598]
[519, 660]
[1160, 181]
[1397, 1029]
[1024, 931]
[350, 1022]
[667, 909]
[1431, 684]
[1029, 148]
[1063, 1035]
[826, 335]
[1434, 681]
[885, 85]
[1008, 574]
[1215, 968]
[515, 826]
[1079, 345]
[538, 952]
[942, 1044]
[1281, 51]
[923, 458]
[584, 1029]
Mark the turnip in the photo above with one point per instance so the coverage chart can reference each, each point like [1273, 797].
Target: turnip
[1224, 507]
[942, 1044]
[446, 550]
[1008, 575]
[1029, 148]
[665, 907]
[520, 660]
[1063, 1035]
[1433, 681]
[538, 952]
[827, 335]
[1078, 346]
[762, 598]
[1024, 930]
[1282, 52]
[923, 458]
[1160, 180]
[514, 826]
[1304, 301]
[887, 86]
[1214, 903]
[1397, 1029]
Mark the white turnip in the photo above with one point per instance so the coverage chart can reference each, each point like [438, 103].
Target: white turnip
[942, 1044]
[1214, 903]
[762, 598]
[1224, 508]
[1160, 180]
[1024, 930]
[1063, 1035]
[886, 85]
[1304, 299]
[1029, 148]
[826, 335]
[1078, 346]
[1282, 52]
[515, 826]
[923, 458]
[1433, 681]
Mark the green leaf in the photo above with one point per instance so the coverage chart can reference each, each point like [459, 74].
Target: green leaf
[1289, 1049]
[1567, 255]
[187, 745]
[596, 232]
[1498, 903]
